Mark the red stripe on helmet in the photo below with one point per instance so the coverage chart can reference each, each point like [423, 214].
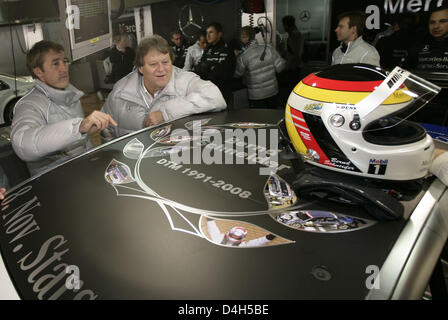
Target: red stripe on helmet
[340, 85]
[308, 138]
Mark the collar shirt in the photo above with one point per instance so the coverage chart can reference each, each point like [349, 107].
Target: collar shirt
[148, 98]
[358, 51]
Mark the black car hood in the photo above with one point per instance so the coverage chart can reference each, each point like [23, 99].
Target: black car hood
[147, 238]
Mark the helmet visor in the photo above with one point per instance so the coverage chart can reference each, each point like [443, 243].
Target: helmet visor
[396, 99]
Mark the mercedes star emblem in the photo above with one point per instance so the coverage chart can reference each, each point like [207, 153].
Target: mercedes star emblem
[305, 15]
[190, 21]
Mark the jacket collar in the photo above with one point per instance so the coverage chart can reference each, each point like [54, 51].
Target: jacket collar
[352, 44]
[132, 88]
[64, 97]
[250, 44]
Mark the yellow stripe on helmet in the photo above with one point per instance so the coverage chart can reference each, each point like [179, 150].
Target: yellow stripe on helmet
[345, 97]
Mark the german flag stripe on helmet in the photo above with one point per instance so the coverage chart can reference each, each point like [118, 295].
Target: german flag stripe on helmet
[344, 97]
[340, 85]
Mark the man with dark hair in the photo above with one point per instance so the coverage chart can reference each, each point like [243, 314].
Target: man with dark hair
[353, 48]
[179, 49]
[432, 54]
[218, 61]
[157, 91]
[49, 125]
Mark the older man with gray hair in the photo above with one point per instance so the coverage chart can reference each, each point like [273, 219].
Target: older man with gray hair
[157, 91]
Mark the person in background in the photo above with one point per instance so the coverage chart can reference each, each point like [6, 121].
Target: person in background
[131, 39]
[394, 48]
[259, 65]
[179, 48]
[432, 53]
[122, 58]
[293, 52]
[157, 91]
[49, 125]
[429, 56]
[217, 64]
[353, 49]
[194, 52]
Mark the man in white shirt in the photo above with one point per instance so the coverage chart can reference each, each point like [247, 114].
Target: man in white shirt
[353, 48]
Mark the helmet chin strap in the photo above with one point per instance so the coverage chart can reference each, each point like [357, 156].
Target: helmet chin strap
[393, 81]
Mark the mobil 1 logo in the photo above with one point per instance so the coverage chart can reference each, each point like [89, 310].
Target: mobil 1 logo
[377, 166]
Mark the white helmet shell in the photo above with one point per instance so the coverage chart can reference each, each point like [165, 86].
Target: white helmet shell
[352, 119]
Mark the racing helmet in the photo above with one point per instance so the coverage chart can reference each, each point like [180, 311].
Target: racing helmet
[236, 235]
[351, 118]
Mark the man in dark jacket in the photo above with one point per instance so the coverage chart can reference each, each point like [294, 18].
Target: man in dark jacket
[180, 49]
[394, 49]
[218, 62]
[432, 54]
[122, 58]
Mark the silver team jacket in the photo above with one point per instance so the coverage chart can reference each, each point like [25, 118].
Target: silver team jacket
[260, 75]
[45, 127]
[185, 94]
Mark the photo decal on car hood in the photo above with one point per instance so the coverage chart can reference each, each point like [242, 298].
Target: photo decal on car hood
[238, 234]
[321, 221]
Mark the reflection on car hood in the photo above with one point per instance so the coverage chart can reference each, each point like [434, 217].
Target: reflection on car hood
[21, 79]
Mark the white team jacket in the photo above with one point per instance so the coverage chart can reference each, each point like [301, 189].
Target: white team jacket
[45, 127]
[185, 94]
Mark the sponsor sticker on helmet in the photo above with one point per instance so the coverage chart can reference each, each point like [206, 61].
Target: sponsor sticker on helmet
[313, 108]
[377, 166]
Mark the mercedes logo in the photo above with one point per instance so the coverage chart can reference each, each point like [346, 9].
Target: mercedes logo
[305, 15]
[190, 21]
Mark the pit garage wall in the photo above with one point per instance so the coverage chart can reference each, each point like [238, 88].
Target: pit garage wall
[312, 20]
[165, 16]
[8, 47]
[270, 6]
